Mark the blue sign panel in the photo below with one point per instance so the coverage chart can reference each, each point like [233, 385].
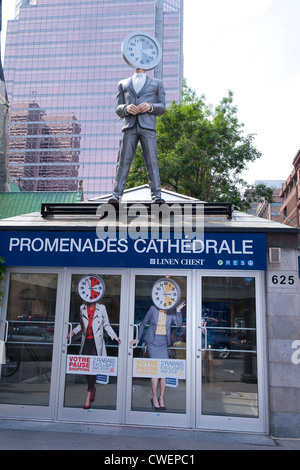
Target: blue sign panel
[84, 249]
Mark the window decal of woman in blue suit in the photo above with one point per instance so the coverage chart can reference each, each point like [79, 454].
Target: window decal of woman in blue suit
[156, 330]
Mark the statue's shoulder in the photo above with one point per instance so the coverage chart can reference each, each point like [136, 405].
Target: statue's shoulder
[156, 80]
[125, 81]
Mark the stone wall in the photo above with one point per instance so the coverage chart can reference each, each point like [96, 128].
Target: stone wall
[283, 333]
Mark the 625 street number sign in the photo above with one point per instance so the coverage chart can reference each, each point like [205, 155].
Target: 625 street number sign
[282, 279]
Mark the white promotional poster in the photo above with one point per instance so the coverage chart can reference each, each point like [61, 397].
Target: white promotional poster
[160, 368]
[92, 365]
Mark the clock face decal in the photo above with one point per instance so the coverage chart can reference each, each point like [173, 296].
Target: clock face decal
[141, 50]
[91, 288]
[166, 294]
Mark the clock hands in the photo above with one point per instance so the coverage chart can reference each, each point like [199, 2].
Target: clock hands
[91, 288]
[141, 49]
[149, 52]
[166, 294]
[94, 284]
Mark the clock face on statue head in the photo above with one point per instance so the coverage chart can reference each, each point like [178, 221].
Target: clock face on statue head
[166, 294]
[141, 50]
[91, 288]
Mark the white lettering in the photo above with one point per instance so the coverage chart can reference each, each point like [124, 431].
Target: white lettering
[40, 244]
[296, 354]
[168, 459]
[115, 460]
[152, 246]
[193, 223]
[161, 244]
[186, 246]
[248, 247]
[111, 246]
[106, 227]
[122, 246]
[137, 243]
[234, 251]
[13, 242]
[192, 262]
[173, 245]
[211, 245]
[171, 217]
[139, 224]
[224, 247]
[53, 247]
[25, 242]
[100, 249]
[140, 245]
[64, 244]
[201, 248]
[163, 261]
[75, 244]
[88, 245]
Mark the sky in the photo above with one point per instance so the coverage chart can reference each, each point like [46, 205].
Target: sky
[252, 48]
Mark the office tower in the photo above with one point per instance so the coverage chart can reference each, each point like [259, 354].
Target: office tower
[4, 179]
[62, 64]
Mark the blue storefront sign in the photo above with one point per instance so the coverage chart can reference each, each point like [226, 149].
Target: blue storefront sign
[235, 251]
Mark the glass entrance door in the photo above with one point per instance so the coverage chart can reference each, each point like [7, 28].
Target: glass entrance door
[90, 349]
[230, 378]
[28, 330]
[181, 349]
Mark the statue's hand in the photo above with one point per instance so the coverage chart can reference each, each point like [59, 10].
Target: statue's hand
[132, 109]
[144, 107]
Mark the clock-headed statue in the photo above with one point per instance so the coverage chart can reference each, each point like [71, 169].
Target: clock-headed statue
[140, 99]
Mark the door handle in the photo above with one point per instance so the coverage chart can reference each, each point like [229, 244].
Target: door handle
[203, 329]
[69, 340]
[133, 346]
[6, 331]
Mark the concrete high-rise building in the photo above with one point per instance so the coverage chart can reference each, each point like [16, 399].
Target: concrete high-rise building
[62, 64]
[271, 210]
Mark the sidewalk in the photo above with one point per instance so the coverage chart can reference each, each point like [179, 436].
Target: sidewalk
[29, 435]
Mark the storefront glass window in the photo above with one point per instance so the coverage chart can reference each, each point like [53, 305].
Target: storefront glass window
[26, 375]
[229, 366]
[98, 341]
[161, 345]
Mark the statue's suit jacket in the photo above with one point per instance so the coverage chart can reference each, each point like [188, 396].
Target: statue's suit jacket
[152, 92]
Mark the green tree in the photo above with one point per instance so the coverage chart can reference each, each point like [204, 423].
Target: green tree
[202, 152]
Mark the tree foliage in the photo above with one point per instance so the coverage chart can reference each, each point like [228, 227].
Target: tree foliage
[202, 152]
